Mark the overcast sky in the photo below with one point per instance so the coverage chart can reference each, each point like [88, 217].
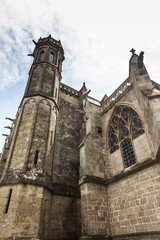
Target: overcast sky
[97, 36]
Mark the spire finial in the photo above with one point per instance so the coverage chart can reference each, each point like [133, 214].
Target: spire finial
[132, 50]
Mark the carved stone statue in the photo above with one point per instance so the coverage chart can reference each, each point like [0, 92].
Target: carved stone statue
[140, 60]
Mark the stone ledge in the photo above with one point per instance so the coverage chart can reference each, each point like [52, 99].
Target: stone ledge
[95, 237]
[55, 189]
[124, 173]
[133, 169]
[20, 238]
[130, 236]
[92, 179]
[139, 235]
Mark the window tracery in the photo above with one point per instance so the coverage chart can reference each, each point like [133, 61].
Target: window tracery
[125, 125]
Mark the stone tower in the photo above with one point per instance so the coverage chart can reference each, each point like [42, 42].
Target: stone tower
[28, 168]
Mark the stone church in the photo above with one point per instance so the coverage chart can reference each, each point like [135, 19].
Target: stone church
[76, 168]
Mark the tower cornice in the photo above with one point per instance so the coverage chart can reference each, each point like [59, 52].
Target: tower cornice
[50, 42]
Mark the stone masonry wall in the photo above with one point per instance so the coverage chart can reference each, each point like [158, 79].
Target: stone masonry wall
[35, 129]
[66, 157]
[42, 80]
[134, 202]
[63, 218]
[94, 209]
[91, 155]
[40, 135]
[155, 105]
[140, 237]
[36, 77]
[23, 216]
[63, 211]
[22, 139]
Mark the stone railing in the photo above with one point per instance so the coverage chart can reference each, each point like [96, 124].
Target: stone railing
[116, 94]
[50, 39]
[69, 90]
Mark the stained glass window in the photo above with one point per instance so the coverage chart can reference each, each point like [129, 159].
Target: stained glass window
[111, 130]
[125, 113]
[135, 124]
[118, 111]
[121, 122]
[138, 133]
[115, 122]
[113, 140]
[125, 125]
[123, 132]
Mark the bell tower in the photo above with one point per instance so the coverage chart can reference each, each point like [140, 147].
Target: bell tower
[28, 169]
[45, 72]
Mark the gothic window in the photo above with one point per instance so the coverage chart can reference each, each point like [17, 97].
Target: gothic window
[41, 58]
[51, 57]
[125, 125]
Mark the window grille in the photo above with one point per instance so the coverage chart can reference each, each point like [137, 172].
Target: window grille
[128, 153]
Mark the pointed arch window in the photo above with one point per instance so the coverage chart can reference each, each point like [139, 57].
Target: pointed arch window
[51, 57]
[41, 57]
[125, 125]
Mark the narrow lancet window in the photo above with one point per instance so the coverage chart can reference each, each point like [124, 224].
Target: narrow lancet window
[8, 201]
[41, 58]
[36, 157]
[51, 137]
[51, 57]
[56, 93]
